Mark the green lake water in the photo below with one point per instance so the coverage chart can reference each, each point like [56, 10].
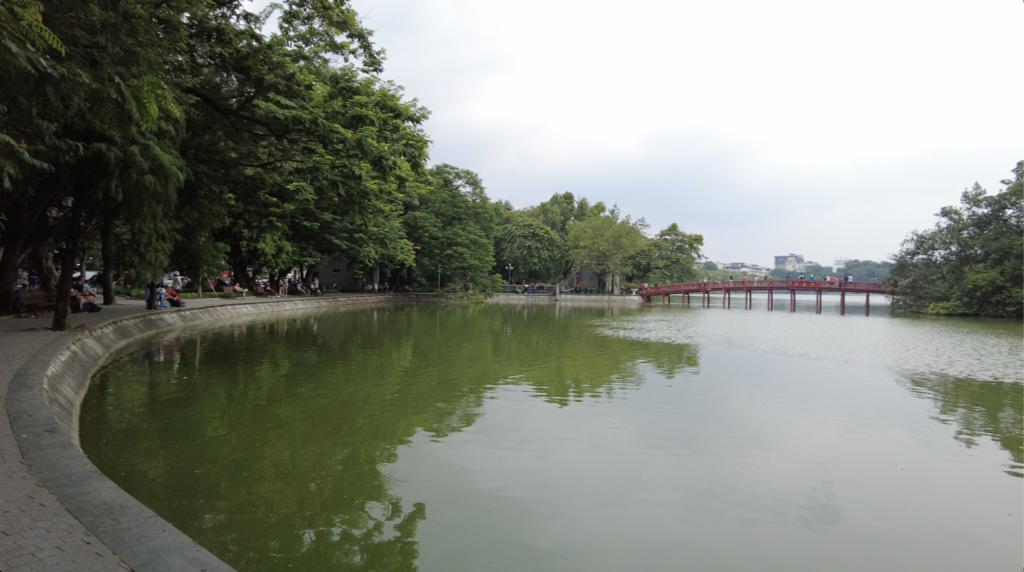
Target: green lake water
[514, 438]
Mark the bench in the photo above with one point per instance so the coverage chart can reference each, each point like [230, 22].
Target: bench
[34, 301]
[235, 291]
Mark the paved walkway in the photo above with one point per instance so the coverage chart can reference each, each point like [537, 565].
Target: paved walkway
[36, 532]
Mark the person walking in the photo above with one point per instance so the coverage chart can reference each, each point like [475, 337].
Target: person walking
[175, 282]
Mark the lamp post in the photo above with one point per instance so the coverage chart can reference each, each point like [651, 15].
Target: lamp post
[509, 267]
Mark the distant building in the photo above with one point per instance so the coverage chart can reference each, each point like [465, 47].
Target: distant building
[743, 268]
[787, 261]
[334, 274]
[839, 264]
[801, 267]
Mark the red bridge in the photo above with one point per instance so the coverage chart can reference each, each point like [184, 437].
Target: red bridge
[770, 286]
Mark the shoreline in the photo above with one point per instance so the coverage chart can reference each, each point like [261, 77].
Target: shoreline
[42, 403]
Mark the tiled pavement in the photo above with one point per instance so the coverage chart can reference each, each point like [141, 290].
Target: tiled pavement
[36, 532]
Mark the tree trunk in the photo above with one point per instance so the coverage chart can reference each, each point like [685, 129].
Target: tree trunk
[43, 260]
[151, 295]
[242, 277]
[107, 254]
[62, 296]
[13, 253]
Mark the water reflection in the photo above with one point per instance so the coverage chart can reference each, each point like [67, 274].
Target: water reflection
[978, 409]
[290, 425]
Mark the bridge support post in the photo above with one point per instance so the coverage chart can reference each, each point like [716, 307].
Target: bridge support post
[750, 300]
[817, 301]
[867, 304]
[769, 300]
[663, 298]
[725, 296]
[842, 303]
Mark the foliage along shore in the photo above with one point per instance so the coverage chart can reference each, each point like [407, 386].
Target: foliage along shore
[191, 135]
[971, 263]
[186, 134]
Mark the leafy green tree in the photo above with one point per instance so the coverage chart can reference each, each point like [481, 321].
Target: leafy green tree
[709, 265]
[605, 243]
[100, 122]
[453, 224]
[560, 211]
[867, 270]
[675, 254]
[535, 251]
[970, 262]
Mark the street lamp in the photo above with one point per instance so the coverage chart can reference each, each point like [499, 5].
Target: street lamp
[509, 267]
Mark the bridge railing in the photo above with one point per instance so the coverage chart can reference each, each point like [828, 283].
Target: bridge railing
[762, 285]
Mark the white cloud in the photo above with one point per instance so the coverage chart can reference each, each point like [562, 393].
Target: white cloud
[828, 128]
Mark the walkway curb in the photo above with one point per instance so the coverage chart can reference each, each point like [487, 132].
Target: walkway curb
[43, 402]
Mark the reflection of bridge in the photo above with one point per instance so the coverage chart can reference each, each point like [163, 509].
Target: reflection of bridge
[770, 286]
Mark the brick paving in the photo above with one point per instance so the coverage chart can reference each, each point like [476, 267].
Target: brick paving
[36, 532]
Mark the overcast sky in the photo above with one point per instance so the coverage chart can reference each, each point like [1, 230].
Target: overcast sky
[822, 128]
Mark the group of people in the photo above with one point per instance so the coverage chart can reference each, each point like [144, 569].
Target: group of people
[284, 286]
[27, 279]
[375, 288]
[83, 299]
[831, 280]
[163, 297]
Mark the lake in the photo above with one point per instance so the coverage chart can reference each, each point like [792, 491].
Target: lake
[462, 438]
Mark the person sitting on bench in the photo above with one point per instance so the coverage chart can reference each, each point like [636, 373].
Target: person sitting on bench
[83, 293]
[172, 297]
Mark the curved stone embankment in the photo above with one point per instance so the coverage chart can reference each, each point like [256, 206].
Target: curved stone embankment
[43, 403]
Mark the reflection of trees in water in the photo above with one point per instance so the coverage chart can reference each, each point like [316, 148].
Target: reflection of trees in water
[977, 409]
[269, 441]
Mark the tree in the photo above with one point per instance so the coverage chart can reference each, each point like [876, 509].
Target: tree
[867, 270]
[675, 255]
[605, 243]
[710, 266]
[535, 251]
[452, 224]
[102, 116]
[970, 262]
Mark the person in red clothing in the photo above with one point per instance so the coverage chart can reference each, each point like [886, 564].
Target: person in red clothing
[172, 297]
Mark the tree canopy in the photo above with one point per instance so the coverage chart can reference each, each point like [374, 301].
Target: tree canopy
[191, 135]
[970, 262]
